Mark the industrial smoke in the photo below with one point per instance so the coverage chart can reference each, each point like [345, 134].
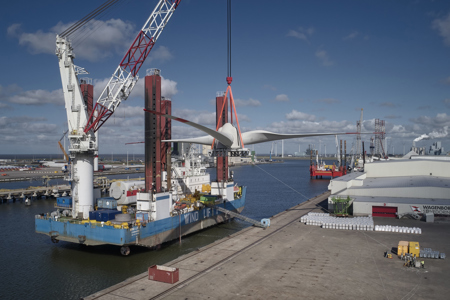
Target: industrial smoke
[433, 135]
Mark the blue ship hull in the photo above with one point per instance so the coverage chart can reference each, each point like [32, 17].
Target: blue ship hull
[152, 234]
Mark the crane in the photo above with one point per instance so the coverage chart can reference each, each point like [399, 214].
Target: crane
[83, 142]
[358, 137]
[66, 157]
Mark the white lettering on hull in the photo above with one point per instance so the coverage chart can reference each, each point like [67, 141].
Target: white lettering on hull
[191, 217]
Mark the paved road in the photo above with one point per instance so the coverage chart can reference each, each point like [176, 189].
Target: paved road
[291, 260]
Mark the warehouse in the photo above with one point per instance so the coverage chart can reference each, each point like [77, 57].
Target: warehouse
[396, 187]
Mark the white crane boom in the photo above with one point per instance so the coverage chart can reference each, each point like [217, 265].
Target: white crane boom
[125, 77]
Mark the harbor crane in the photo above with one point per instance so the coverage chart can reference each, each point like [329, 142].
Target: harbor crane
[66, 156]
[83, 142]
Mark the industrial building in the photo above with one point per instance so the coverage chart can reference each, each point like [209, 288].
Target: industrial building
[396, 187]
[436, 149]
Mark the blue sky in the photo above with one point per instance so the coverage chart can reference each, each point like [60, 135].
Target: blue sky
[297, 66]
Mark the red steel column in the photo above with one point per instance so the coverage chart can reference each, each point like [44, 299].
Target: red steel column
[166, 132]
[153, 133]
[87, 91]
[222, 161]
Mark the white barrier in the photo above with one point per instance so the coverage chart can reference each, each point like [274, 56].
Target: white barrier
[399, 229]
[356, 223]
[327, 221]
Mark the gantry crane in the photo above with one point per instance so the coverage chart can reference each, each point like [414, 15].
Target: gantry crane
[82, 126]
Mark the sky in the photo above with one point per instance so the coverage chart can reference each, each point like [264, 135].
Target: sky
[297, 67]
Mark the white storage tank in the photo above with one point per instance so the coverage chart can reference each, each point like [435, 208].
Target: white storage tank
[125, 191]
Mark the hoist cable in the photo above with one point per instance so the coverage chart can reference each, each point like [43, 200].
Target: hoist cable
[85, 32]
[88, 17]
[229, 37]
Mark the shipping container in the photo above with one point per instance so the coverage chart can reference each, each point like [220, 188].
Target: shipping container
[107, 202]
[163, 274]
[208, 199]
[142, 216]
[414, 249]
[402, 248]
[106, 215]
[92, 215]
[64, 201]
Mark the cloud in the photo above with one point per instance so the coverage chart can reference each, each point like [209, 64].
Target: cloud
[125, 111]
[242, 118]
[351, 36]
[324, 58]
[282, 98]
[168, 88]
[327, 101]
[15, 94]
[38, 97]
[160, 54]
[301, 33]
[27, 132]
[249, 102]
[433, 126]
[298, 115]
[443, 28]
[96, 40]
[299, 126]
[202, 117]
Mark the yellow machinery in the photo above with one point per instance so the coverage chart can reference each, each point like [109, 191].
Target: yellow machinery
[402, 248]
[64, 151]
[414, 249]
[206, 188]
[405, 247]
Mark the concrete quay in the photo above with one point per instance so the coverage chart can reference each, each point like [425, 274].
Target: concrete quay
[291, 260]
[34, 192]
[56, 173]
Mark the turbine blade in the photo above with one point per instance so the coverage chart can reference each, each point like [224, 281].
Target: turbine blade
[225, 140]
[202, 140]
[261, 136]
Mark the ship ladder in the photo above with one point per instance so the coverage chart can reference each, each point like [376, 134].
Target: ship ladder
[264, 223]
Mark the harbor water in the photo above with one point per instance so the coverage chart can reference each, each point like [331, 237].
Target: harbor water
[32, 267]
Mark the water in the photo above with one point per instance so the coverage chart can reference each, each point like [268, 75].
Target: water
[32, 267]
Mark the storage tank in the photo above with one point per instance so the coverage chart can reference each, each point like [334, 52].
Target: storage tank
[125, 191]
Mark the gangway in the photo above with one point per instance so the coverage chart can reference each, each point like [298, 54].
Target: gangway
[264, 223]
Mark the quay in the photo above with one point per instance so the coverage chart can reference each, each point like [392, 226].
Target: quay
[56, 173]
[36, 192]
[291, 260]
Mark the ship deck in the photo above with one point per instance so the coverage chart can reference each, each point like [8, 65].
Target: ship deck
[291, 260]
